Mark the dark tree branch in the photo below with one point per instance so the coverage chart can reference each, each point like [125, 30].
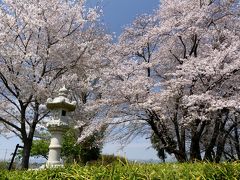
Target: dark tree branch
[184, 47]
[10, 124]
[179, 60]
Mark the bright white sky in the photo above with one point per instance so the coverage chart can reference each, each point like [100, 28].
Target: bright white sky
[117, 14]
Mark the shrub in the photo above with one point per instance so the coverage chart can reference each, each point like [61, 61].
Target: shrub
[4, 165]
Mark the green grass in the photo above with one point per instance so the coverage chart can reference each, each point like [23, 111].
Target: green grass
[134, 171]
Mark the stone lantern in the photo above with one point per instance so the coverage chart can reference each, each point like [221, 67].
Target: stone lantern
[60, 106]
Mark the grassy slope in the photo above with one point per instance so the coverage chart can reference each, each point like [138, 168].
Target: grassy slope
[133, 171]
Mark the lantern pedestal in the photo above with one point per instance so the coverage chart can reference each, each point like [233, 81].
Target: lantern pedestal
[55, 144]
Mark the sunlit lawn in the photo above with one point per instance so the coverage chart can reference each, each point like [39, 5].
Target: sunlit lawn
[133, 171]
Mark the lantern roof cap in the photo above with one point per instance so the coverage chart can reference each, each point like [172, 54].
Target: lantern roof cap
[63, 91]
[61, 101]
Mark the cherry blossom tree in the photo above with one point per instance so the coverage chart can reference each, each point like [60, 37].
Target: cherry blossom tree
[208, 70]
[176, 74]
[41, 42]
[128, 80]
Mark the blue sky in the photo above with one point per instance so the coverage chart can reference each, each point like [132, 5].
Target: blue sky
[117, 14]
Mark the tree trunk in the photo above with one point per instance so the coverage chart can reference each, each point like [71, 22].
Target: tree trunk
[180, 135]
[236, 140]
[195, 153]
[182, 146]
[222, 142]
[181, 155]
[212, 144]
[27, 144]
[220, 149]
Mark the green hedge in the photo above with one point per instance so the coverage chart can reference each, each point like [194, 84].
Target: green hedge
[121, 170]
